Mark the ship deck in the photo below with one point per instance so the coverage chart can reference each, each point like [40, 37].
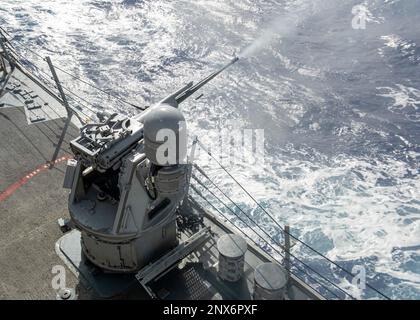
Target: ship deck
[32, 200]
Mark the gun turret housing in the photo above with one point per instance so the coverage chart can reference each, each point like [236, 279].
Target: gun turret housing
[165, 121]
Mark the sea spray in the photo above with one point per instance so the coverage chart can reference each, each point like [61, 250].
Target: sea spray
[278, 28]
[282, 25]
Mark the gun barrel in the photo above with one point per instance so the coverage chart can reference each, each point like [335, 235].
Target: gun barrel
[187, 93]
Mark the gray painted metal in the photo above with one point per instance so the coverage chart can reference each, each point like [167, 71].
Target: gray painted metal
[66, 105]
[116, 222]
[165, 121]
[287, 248]
[70, 174]
[140, 207]
[232, 249]
[66, 294]
[270, 282]
[7, 74]
[105, 285]
[171, 259]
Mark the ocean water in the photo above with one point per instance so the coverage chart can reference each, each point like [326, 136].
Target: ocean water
[339, 108]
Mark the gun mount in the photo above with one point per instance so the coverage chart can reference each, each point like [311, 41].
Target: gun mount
[124, 190]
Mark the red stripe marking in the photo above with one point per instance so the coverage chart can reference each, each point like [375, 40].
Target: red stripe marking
[21, 182]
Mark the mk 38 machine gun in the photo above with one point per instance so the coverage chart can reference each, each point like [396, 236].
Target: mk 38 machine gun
[124, 190]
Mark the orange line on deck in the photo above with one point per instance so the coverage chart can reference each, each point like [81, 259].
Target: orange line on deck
[21, 182]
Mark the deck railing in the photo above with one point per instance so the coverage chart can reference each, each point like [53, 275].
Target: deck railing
[314, 268]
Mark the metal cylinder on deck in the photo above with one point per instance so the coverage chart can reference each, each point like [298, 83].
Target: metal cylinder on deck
[270, 282]
[232, 249]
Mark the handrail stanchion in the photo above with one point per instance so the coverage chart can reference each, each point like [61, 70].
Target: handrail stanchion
[68, 109]
[2, 63]
[287, 250]
[7, 74]
[190, 162]
[3, 47]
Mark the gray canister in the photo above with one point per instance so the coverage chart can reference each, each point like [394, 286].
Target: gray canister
[232, 249]
[270, 282]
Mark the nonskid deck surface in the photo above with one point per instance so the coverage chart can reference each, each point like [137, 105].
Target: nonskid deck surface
[31, 195]
[31, 200]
